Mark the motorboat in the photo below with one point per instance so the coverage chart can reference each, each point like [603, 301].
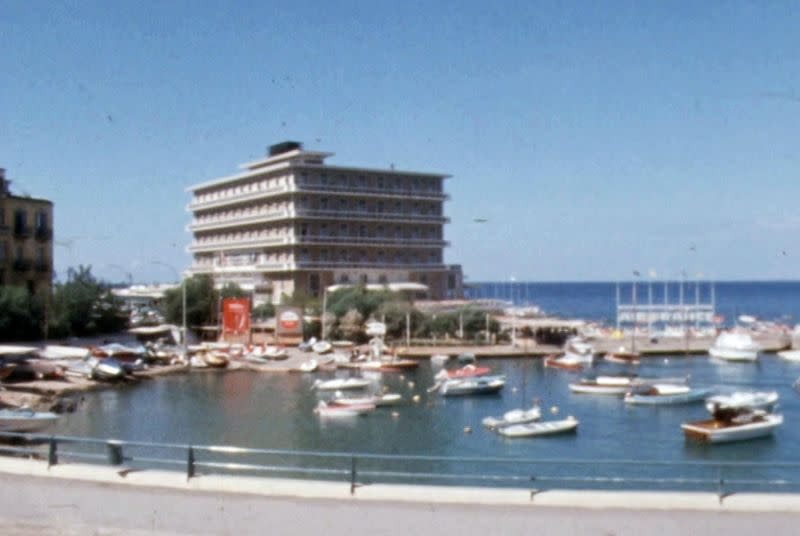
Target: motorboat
[515, 416]
[119, 351]
[623, 356]
[752, 400]
[790, 355]
[735, 346]
[578, 350]
[339, 384]
[665, 394]
[257, 358]
[25, 420]
[56, 352]
[439, 359]
[467, 371]
[479, 385]
[561, 361]
[387, 399]
[327, 410]
[322, 347]
[275, 353]
[308, 366]
[616, 385]
[735, 425]
[570, 424]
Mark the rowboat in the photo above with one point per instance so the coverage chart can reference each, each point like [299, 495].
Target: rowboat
[748, 425]
[751, 400]
[340, 384]
[25, 420]
[387, 399]
[515, 416]
[623, 357]
[480, 385]
[570, 424]
[322, 347]
[665, 394]
[215, 359]
[562, 362]
[327, 410]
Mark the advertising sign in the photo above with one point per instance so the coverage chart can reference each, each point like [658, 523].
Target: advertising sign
[289, 321]
[236, 316]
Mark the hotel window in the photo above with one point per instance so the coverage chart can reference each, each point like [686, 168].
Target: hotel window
[323, 255]
[382, 279]
[343, 229]
[323, 229]
[380, 206]
[380, 231]
[343, 255]
[323, 203]
[398, 207]
[3, 252]
[362, 205]
[362, 230]
[303, 229]
[342, 204]
[362, 181]
[19, 253]
[380, 183]
[323, 179]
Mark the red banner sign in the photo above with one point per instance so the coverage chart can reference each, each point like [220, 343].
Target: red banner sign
[236, 316]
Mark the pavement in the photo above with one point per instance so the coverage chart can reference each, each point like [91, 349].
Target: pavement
[101, 500]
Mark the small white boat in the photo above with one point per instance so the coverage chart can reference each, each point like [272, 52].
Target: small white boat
[387, 399]
[659, 394]
[308, 366]
[480, 385]
[576, 350]
[439, 359]
[749, 425]
[56, 352]
[327, 410]
[322, 347]
[752, 400]
[25, 420]
[515, 416]
[790, 355]
[616, 385]
[339, 384]
[735, 346]
[570, 424]
[275, 353]
[623, 356]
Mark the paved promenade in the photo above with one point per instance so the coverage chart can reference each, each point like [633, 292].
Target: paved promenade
[74, 499]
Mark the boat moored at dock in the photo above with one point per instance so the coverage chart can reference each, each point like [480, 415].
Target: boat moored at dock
[25, 420]
[735, 346]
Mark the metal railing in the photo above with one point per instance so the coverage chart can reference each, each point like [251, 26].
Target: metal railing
[358, 469]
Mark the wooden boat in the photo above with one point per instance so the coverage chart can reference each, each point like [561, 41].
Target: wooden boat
[623, 357]
[327, 410]
[665, 394]
[340, 384]
[515, 416]
[480, 385]
[322, 347]
[749, 400]
[734, 427]
[25, 420]
[215, 359]
[561, 362]
[570, 424]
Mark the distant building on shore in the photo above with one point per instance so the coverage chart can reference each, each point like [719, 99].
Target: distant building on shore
[26, 240]
[292, 223]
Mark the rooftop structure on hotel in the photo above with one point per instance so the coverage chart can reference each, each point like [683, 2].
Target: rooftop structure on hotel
[290, 222]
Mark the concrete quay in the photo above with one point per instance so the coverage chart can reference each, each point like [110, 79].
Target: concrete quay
[81, 499]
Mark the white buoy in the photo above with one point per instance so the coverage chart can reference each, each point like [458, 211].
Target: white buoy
[415, 398]
[468, 429]
[554, 410]
[411, 385]
[395, 414]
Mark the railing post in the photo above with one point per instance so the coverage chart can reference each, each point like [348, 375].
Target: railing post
[190, 463]
[720, 484]
[115, 456]
[52, 453]
[353, 475]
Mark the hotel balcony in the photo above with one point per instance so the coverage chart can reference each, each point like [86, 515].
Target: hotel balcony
[22, 231]
[231, 266]
[236, 221]
[226, 199]
[367, 215]
[368, 191]
[244, 243]
[22, 265]
[41, 266]
[371, 241]
[43, 233]
[330, 265]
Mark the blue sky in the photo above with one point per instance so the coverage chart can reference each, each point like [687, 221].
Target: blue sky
[596, 138]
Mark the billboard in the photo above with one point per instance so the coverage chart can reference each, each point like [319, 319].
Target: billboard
[236, 316]
[289, 321]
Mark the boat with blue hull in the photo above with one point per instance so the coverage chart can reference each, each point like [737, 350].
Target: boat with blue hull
[666, 394]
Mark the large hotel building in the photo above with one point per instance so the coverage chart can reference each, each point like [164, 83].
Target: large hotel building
[290, 222]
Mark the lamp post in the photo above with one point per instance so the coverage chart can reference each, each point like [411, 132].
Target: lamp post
[183, 301]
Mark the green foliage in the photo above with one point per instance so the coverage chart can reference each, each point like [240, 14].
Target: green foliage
[394, 316]
[84, 305]
[232, 290]
[202, 302]
[21, 315]
[307, 303]
[265, 310]
[359, 298]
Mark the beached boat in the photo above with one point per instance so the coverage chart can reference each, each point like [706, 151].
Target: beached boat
[308, 366]
[751, 400]
[735, 346]
[515, 416]
[215, 359]
[327, 410]
[340, 384]
[119, 351]
[56, 352]
[398, 365]
[107, 370]
[275, 353]
[480, 385]
[25, 420]
[570, 424]
[322, 347]
[733, 426]
[658, 394]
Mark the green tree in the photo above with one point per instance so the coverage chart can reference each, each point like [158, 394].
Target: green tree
[84, 305]
[202, 302]
[21, 315]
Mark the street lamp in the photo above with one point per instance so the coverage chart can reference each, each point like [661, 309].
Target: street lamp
[183, 301]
